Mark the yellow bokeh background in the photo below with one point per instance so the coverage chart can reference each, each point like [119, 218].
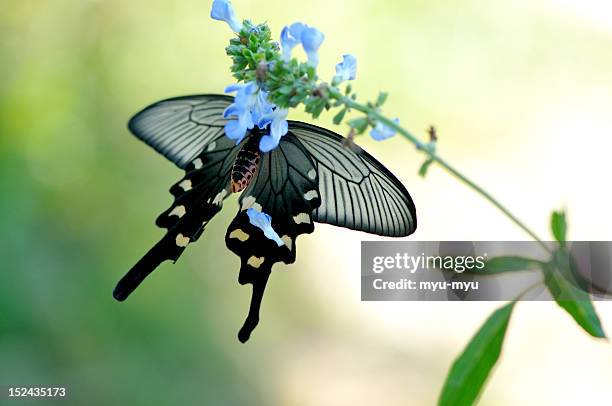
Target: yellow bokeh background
[521, 95]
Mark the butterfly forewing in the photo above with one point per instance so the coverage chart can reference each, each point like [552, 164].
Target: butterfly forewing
[180, 128]
[357, 191]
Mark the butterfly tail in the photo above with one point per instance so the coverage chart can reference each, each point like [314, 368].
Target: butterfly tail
[259, 280]
[185, 222]
[143, 268]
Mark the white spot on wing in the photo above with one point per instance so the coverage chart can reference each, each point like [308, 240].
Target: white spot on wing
[220, 196]
[178, 211]
[181, 240]
[301, 218]
[211, 146]
[311, 194]
[239, 234]
[197, 164]
[312, 174]
[256, 262]
[185, 185]
[249, 202]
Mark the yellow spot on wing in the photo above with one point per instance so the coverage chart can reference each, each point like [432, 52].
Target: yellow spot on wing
[185, 185]
[301, 218]
[256, 262]
[247, 202]
[178, 211]
[288, 241]
[181, 240]
[239, 234]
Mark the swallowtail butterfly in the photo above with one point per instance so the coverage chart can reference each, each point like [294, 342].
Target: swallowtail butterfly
[310, 177]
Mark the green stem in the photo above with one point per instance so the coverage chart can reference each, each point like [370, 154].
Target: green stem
[449, 168]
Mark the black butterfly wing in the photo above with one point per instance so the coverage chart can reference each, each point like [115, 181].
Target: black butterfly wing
[286, 188]
[309, 167]
[357, 191]
[198, 197]
[181, 127]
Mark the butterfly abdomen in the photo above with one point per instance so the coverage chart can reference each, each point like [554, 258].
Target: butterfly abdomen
[245, 165]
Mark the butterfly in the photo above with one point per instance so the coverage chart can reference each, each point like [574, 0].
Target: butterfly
[312, 176]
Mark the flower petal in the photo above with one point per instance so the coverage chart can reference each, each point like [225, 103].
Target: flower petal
[268, 143]
[264, 222]
[261, 108]
[234, 88]
[290, 38]
[278, 128]
[235, 131]
[311, 41]
[279, 125]
[381, 132]
[347, 69]
[222, 10]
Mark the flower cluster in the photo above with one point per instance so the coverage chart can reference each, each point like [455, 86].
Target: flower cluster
[250, 108]
[271, 81]
[310, 38]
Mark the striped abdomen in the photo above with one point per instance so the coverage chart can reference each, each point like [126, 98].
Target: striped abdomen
[245, 165]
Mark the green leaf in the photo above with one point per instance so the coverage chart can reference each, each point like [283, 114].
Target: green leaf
[470, 370]
[423, 169]
[285, 89]
[497, 265]
[559, 226]
[318, 108]
[563, 287]
[382, 97]
[360, 124]
[340, 116]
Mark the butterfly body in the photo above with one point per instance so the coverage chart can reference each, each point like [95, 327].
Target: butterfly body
[311, 176]
[246, 164]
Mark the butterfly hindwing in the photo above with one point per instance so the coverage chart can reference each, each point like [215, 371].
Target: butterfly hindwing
[198, 197]
[286, 188]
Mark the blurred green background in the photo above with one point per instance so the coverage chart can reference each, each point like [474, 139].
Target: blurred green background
[520, 92]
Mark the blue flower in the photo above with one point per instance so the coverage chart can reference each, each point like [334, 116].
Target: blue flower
[249, 106]
[222, 10]
[241, 109]
[264, 222]
[311, 41]
[277, 120]
[310, 38]
[261, 107]
[291, 36]
[347, 69]
[382, 132]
